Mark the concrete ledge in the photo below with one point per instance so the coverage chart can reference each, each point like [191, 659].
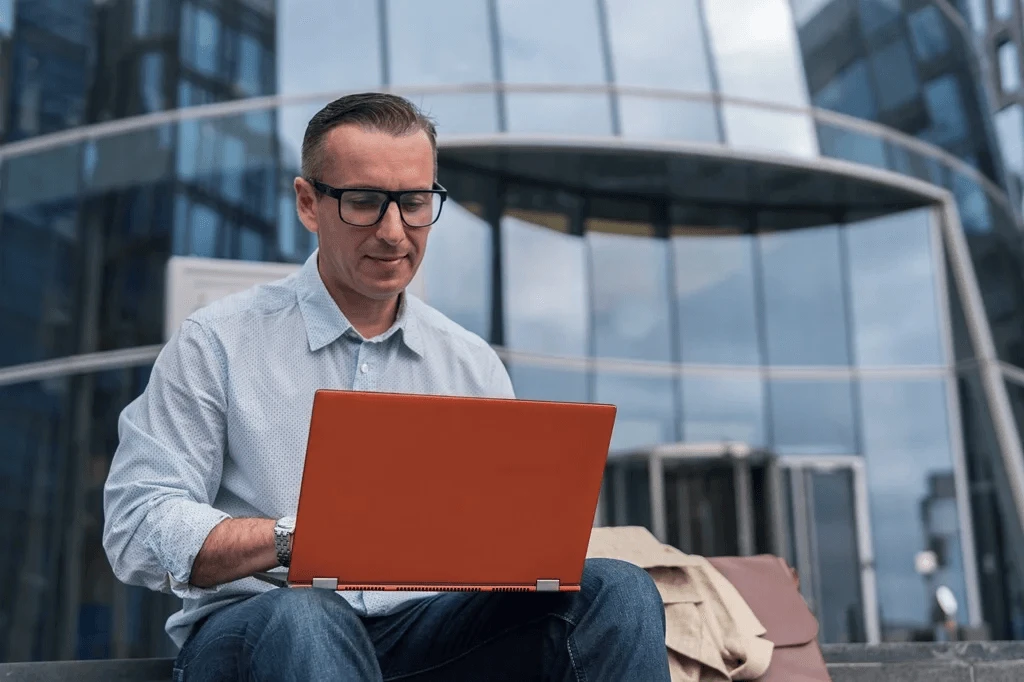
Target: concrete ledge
[925, 662]
[129, 670]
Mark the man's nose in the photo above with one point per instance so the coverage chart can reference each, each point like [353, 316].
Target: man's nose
[390, 228]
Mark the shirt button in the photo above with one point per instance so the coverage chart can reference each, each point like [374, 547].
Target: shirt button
[364, 368]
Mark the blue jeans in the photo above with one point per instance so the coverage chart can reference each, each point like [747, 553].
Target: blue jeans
[612, 630]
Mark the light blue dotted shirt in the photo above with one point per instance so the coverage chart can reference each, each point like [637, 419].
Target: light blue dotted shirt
[221, 429]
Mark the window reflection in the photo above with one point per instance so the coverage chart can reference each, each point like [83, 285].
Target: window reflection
[650, 117]
[457, 268]
[803, 297]
[1010, 130]
[849, 92]
[876, 15]
[909, 467]
[558, 113]
[893, 296]
[437, 43]
[646, 412]
[928, 33]
[773, 131]
[719, 408]
[545, 279]
[812, 417]
[464, 113]
[533, 382]
[550, 42]
[843, 143]
[755, 50]
[944, 102]
[630, 296]
[1009, 67]
[714, 282]
[328, 44]
[200, 39]
[895, 75]
[659, 44]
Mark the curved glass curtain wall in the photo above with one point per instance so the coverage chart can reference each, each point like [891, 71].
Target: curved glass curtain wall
[98, 217]
[641, 290]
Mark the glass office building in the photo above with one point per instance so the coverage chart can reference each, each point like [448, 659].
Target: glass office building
[781, 224]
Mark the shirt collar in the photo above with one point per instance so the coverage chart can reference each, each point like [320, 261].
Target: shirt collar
[325, 323]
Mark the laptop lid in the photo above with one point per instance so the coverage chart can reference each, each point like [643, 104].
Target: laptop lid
[417, 492]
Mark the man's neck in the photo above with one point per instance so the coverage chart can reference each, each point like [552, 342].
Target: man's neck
[369, 317]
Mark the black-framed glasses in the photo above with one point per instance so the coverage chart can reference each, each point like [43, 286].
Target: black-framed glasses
[365, 206]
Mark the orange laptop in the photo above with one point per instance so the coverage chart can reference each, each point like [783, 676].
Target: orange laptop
[415, 492]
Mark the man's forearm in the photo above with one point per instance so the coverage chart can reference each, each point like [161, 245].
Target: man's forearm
[235, 548]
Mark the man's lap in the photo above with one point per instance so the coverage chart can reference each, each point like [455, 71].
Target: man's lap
[448, 636]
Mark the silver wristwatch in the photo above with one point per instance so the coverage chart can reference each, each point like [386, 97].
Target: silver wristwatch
[283, 531]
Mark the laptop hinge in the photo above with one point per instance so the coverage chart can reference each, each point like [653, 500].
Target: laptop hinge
[547, 586]
[326, 583]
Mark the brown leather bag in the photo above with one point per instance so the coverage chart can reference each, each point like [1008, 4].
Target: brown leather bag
[770, 588]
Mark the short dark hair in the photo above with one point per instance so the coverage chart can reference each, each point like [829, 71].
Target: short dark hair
[373, 110]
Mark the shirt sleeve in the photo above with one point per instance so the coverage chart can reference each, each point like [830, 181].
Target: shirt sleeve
[501, 383]
[167, 467]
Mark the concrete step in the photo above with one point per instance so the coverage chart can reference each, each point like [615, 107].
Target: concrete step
[926, 662]
[959, 662]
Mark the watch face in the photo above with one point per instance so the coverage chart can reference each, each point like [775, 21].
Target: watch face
[287, 524]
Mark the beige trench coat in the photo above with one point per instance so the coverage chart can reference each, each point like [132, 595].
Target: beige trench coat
[711, 633]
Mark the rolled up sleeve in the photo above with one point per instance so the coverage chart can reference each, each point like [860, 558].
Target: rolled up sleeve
[167, 468]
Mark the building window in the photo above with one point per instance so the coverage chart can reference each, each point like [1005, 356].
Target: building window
[200, 39]
[151, 82]
[928, 33]
[1009, 67]
[1002, 9]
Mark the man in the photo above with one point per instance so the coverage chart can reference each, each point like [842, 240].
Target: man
[205, 480]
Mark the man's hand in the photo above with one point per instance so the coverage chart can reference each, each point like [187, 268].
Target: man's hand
[235, 548]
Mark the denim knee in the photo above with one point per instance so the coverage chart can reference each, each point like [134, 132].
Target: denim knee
[625, 588]
[302, 613]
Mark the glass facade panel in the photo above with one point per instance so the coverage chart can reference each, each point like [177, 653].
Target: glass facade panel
[912, 497]
[944, 103]
[646, 412]
[1009, 67]
[876, 15]
[842, 143]
[462, 113]
[849, 92]
[659, 44]
[759, 129]
[200, 39]
[557, 113]
[546, 298]
[651, 117]
[48, 428]
[344, 34]
[928, 33]
[533, 382]
[895, 75]
[630, 296]
[835, 540]
[755, 50]
[812, 417]
[1002, 9]
[893, 291]
[439, 43]
[565, 47]
[718, 408]
[714, 287]
[804, 298]
[456, 268]
[1010, 130]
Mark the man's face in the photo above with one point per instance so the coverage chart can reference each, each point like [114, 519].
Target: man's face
[379, 261]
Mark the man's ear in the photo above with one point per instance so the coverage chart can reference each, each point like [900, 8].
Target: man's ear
[305, 205]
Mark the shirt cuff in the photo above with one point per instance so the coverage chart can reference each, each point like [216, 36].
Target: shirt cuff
[179, 535]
